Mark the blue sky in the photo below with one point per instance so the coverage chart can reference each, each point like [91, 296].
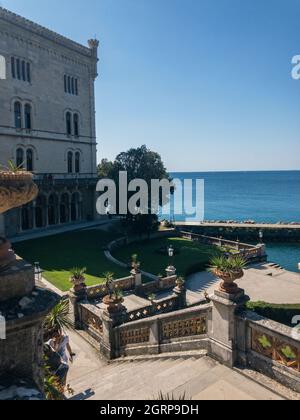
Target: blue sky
[206, 83]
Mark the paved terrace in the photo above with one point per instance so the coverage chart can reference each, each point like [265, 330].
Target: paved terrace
[262, 282]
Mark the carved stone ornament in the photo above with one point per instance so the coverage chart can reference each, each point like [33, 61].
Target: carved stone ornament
[16, 189]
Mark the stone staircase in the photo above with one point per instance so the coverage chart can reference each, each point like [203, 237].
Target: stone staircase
[194, 376]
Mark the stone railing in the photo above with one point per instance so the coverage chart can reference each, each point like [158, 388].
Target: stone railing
[177, 331]
[249, 252]
[269, 347]
[99, 291]
[166, 305]
[90, 320]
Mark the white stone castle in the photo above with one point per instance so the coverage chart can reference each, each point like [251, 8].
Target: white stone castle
[47, 121]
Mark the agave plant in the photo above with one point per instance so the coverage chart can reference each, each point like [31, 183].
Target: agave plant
[229, 270]
[118, 294]
[58, 318]
[229, 266]
[78, 273]
[12, 167]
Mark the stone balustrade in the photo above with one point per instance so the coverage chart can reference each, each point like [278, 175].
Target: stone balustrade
[249, 252]
[176, 331]
[269, 347]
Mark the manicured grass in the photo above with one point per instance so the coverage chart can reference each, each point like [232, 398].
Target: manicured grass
[192, 257]
[58, 254]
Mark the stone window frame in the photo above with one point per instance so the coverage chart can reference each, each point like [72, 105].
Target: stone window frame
[23, 122]
[71, 84]
[21, 69]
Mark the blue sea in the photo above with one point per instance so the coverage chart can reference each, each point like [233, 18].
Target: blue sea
[259, 196]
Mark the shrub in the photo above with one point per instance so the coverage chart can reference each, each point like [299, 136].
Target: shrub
[279, 313]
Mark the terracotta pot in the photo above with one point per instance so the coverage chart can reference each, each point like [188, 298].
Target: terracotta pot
[78, 284]
[113, 304]
[228, 284]
[16, 189]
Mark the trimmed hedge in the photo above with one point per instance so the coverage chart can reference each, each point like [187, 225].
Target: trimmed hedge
[279, 313]
[196, 268]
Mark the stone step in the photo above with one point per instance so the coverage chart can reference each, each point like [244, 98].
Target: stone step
[148, 384]
[196, 354]
[112, 375]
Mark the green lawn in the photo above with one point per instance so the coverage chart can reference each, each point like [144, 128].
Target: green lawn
[58, 254]
[192, 257]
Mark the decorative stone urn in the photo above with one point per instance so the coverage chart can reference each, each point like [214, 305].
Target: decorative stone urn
[78, 284]
[113, 303]
[228, 284]
[16, 189]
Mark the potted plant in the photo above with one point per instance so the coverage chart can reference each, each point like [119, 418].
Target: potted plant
[78, 278]
[228, 270]
[114, 299]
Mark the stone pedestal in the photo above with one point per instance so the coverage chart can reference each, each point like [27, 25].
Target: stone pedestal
[109, 344]
[74, 315]
[137, 278]
[223, 328]
[170, 271]
[23, 308]
[180, 292]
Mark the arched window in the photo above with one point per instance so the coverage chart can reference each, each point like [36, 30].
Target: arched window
[77, 162]
[69, 84]
[53, 209]
[20, 158]
[29, 160]
[72, 86]
[27, 115]
[18, 114]
[76, 125]
[69, 123]
[64, 208]
[70, 162]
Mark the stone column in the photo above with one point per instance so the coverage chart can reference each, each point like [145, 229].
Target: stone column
[223, 326]
[74, 313]
[137, 278]
[180, 292]
[109, 345]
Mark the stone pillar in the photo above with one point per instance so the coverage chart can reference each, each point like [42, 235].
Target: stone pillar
[180, 292]
[170, 271]
[109, 345]
[137, 278]
[74, 314]
[223, 328]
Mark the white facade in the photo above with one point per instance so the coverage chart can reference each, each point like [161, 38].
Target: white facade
[47, 112]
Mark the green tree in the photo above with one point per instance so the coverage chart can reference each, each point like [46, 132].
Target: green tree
[141, 163]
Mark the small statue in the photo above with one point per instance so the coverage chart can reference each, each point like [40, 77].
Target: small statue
[110, 285]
